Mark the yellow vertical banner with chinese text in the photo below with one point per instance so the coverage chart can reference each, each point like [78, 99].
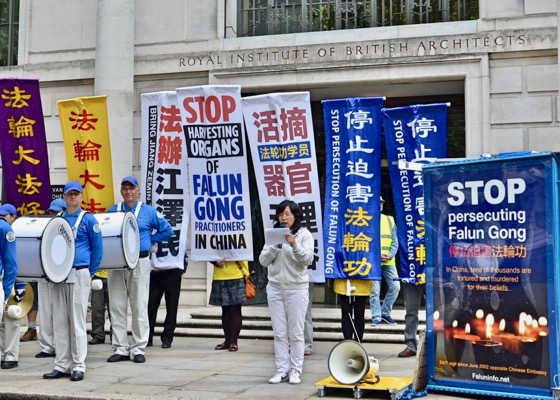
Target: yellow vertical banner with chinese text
[85, 131]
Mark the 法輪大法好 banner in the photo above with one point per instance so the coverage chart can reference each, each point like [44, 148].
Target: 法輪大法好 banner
[25, 162]
[87, 145]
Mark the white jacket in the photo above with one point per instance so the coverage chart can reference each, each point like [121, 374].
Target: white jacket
[287, 266]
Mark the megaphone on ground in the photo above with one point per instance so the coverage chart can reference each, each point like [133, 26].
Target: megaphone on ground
[349, 363]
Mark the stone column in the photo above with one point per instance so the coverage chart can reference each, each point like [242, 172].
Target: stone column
[114, 77]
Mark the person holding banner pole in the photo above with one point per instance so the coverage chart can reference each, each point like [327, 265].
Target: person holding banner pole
[165, 280]
[287, 291]
[389, 247]
[134, 286]
[228, 292]
[353, 295]
[413, 293]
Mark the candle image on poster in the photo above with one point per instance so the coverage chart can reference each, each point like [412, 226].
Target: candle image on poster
[490, 258]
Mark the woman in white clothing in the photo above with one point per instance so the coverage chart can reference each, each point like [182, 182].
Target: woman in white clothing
[287, 291]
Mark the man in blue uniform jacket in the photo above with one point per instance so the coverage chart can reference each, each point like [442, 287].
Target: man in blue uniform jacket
[70, 298]
[134, 286]
[9, 334]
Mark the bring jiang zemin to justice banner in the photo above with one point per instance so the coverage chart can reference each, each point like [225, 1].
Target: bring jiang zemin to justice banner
[489, 259]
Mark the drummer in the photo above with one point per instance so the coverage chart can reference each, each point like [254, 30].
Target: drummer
[45, 295]
[134, 286]
[70, 298]
[8, 269]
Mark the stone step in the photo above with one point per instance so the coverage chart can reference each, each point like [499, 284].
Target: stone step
[206, 322]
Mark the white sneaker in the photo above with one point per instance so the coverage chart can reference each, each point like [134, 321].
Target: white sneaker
[294, 377]
[278, 377]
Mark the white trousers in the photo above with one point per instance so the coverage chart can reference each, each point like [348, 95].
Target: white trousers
[46, 327]
[130, 286]
[9, 336]
[287, 312]
[308, 330]
[70, 300]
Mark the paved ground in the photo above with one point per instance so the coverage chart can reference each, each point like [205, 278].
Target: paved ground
[191, 369]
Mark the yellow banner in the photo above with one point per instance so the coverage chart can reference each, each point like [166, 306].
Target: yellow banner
[85, 131]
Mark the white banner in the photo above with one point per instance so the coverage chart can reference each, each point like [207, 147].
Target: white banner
[164, 183]
[280, 132]
[217, 163]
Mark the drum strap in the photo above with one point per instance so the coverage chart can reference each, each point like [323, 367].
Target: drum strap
[136, 210]
[78, 220]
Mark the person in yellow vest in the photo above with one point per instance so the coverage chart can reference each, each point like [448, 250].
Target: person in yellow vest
[99, 303]
[353, 296]
[389, 248]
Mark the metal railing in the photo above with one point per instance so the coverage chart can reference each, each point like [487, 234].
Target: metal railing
[273, 17]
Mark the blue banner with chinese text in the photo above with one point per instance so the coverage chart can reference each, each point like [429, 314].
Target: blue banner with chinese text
[353, 186]
[416, 134]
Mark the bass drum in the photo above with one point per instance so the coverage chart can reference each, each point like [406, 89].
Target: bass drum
[45, 248]
[121, 240]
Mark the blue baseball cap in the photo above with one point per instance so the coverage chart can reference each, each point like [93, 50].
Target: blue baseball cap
[7, 209]
[73, 185]
[130, 179]
[57, 205]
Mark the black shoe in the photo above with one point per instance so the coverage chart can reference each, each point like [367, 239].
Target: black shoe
[44, 355]
[77, 376]
[55, 374]
[96, 340]
[139, 358]
[150, 343]
[117, 358]
[9, 364]
[165, 345]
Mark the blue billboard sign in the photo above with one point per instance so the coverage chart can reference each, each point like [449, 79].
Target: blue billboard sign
[492, 226]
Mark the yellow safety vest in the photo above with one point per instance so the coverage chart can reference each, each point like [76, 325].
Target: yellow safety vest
[387, 224]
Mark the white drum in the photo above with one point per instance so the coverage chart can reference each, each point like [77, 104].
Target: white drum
[121, 240]
[45, 248]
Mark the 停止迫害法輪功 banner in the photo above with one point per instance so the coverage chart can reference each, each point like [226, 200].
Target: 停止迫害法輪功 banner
[353, 188]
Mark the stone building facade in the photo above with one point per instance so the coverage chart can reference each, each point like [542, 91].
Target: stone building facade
[503, 67]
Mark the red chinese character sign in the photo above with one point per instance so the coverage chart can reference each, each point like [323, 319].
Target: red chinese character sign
[165, 180]
[23, 147]
[85, 130]
[280, 132]
[219, 181]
